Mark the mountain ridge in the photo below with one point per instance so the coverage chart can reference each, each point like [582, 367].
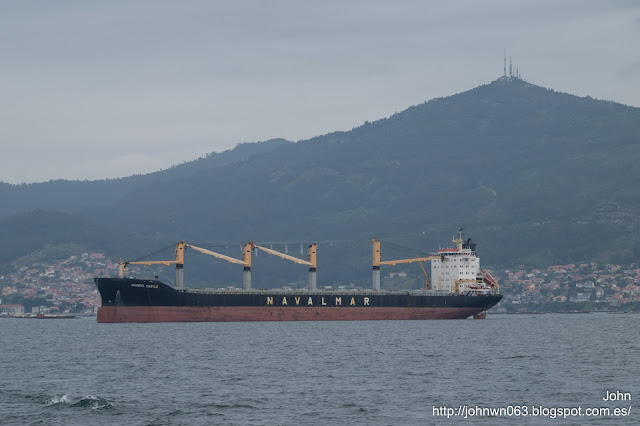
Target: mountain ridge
[72, 196]
[522, 167]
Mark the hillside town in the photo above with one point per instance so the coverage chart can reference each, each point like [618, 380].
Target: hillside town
[572, 287]
[67, 287]
[55, 287]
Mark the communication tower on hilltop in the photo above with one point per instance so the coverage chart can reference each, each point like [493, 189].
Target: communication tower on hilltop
[510, 69]
[514, 71]
[504, 73]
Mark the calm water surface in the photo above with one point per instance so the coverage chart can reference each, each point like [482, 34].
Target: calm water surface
[78, 372]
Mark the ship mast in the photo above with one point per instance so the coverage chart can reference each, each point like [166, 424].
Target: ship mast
[458, 240]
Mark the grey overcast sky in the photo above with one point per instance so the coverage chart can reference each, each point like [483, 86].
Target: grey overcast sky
[97, 89]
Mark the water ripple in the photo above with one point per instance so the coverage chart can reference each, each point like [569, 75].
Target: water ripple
[373, 373]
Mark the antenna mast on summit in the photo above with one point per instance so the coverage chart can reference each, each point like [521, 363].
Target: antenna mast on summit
[510, 68]
[504, 73]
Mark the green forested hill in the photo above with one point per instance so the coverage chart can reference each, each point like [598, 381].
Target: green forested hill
[28, 232]
[534, 176]
[74, 196]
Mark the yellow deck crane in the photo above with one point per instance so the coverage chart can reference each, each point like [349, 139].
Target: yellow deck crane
[179, 262]
[246, 261]
[377, 263]
[310, 262]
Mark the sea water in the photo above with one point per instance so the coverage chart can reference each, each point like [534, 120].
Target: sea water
[79, 372]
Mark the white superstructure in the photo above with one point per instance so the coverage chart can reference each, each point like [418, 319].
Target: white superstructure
[458, 269]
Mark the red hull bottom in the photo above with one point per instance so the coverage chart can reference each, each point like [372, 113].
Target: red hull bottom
[111, 314]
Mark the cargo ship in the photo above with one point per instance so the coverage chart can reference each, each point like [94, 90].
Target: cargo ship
[458, 289]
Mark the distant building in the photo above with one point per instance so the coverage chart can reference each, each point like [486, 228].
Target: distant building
[11, 309]
[39, 310]
[581, 297]
[9, 290]
[398, 274]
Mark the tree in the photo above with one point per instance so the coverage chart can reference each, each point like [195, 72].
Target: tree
[79, 308]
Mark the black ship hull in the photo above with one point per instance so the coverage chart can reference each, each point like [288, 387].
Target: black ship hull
[134, 300]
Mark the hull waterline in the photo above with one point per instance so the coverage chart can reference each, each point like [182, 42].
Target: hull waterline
[115, 314]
